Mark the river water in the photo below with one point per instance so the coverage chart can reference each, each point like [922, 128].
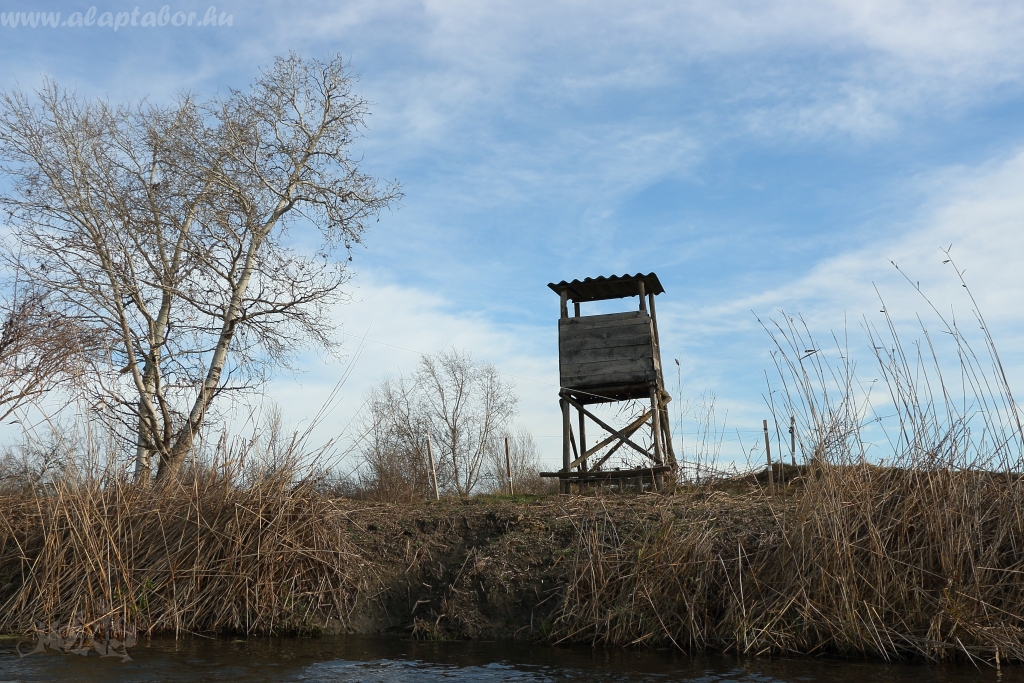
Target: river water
[394, 660]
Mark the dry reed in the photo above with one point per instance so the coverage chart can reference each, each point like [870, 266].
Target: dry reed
[917, 555]
[859, 560]
[218, 551]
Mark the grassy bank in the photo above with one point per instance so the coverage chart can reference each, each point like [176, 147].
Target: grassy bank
[920, 558]
[852, 560]
[213, 554]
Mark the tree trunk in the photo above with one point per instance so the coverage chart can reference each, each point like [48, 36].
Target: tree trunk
[143, 452]
[170, 464]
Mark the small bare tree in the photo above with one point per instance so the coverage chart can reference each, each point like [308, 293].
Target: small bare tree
[467, 405]
[464, 405]
[168, 229]
[524, 459]
[395, 463]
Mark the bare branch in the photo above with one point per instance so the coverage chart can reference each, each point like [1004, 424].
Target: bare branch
[166, 229]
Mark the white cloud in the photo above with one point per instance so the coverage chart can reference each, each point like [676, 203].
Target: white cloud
[883, 55]
[979, 211]
[399, 323]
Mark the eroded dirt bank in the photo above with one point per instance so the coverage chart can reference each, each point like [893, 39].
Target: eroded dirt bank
[859, 560]
[488, 568]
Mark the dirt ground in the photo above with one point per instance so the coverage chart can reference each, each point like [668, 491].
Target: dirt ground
[492, 567]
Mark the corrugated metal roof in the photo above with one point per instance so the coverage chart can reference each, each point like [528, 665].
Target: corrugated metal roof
[611, 287]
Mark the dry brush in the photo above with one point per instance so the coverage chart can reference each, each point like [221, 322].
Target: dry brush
[210, 553]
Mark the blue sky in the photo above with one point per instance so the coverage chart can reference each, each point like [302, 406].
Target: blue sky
[758, 156]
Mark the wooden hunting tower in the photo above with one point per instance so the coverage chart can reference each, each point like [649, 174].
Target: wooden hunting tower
[606, 358]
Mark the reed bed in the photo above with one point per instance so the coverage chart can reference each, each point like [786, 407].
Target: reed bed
[856, 560]
[218, 551]
[902, 536]
[658, 577]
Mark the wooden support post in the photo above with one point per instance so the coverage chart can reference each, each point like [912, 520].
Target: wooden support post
[583, 440]
[670, 456]
[508, 467]
[564, 296]
[666, 433]
[566, 433]
[654, 323]
[768, 454]
[656, 426]
[643, 298]
[666, 430]
[576, 308]
[792, 439]
[659, 452]
[433, 468]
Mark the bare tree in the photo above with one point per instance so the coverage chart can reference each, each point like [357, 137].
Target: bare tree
[524, 460]
[464, 405]
[395, 464]
[467, 405]
[206, 240]
[39, 349]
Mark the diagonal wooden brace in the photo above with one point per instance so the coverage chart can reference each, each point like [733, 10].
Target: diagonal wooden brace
[627, 431]
[606, 456]
[604, 425]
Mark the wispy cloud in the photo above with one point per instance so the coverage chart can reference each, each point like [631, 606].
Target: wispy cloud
[703, 139]
[976, 213]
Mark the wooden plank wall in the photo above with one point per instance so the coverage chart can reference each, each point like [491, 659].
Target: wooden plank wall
[606, 350]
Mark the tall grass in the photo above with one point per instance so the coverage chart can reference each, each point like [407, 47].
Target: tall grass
[924, 554]
[903, 537]
[239, 544]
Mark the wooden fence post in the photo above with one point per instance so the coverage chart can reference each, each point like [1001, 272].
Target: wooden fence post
[792, 439]
[433, 469]
[768, 454]
[508, 468]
